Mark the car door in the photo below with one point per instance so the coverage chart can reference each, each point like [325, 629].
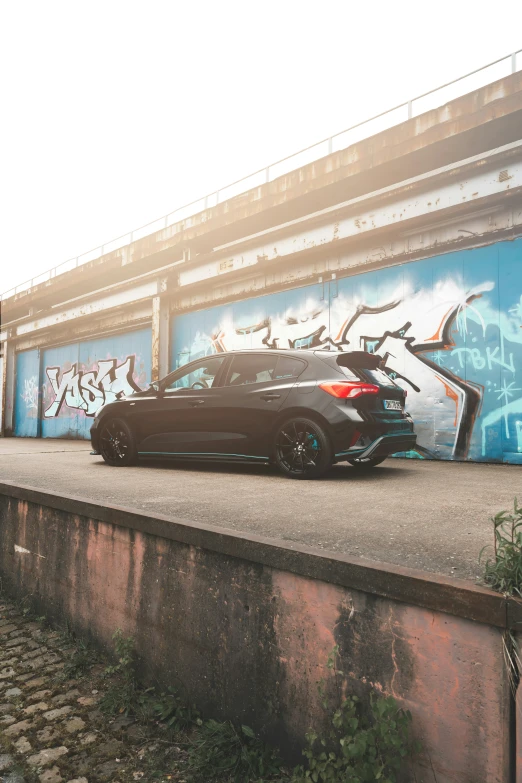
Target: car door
[254, 387]
[178, 419]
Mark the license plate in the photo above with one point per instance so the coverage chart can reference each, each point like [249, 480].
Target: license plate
[393, 405]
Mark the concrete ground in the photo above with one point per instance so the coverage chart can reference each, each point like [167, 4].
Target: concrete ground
[433, 516]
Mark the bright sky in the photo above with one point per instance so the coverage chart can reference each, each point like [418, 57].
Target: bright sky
[115, 112]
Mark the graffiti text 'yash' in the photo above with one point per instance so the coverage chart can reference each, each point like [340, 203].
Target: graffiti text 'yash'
[88, 391]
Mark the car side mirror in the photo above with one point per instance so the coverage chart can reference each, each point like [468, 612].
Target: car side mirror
[155, 386]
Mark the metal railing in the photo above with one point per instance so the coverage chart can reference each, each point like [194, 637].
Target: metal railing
[362, 130]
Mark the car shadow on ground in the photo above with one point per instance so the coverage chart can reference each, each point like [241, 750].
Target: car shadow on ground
[393, 469]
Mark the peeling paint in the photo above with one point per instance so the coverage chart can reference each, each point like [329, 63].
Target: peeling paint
[21, 550]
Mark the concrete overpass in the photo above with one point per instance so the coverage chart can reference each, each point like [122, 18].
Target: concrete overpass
[404, 242]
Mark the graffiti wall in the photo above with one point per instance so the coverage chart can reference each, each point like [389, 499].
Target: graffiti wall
[449, 329]
[59, 391]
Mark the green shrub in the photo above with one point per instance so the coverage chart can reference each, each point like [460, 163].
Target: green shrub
[503, 572]
[359, 749]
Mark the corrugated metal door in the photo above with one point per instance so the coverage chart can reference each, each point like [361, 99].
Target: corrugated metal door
[111, 367]
[27, 394]
[62, 401]
[81, 377]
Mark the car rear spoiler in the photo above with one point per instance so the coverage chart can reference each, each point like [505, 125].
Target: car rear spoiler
[362, 359]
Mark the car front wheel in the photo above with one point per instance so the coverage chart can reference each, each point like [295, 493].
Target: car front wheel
[117, 444]
[302, 449]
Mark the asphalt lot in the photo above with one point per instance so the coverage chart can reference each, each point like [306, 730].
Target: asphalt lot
[433, 516]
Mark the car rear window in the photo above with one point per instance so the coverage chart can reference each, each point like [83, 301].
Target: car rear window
[251, 368]
[288, 367]
[260, 368]
[331, 361]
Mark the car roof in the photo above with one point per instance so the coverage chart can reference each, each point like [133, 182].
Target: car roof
[292, 351]
[295, 352]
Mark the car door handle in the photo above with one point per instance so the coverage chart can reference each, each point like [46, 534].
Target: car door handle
[195, 403]
[270, 396]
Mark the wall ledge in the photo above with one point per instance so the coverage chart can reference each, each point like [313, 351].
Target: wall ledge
[417, 588]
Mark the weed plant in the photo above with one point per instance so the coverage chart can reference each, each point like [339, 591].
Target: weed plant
[220, 752]
[362, 746]
[125, 696]
[503, 572]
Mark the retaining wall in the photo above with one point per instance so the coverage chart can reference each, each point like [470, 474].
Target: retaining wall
[247, 624]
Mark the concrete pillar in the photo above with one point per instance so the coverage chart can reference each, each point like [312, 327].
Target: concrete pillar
[7, 395]
[160, 337]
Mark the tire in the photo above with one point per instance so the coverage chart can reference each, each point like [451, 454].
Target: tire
[371, 463]
[117, 444]
[302, 448]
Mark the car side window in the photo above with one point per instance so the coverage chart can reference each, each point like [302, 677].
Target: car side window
[200, 375]
[251, 368]
[288, 367]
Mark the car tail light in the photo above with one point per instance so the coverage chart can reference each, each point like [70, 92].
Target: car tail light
[347, 390]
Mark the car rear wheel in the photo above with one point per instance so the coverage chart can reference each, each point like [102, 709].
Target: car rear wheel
[370, 463]
[117, 443]
[302, 449]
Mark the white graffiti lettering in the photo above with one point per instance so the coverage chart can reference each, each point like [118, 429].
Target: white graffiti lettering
[30, 393]
[88, 391]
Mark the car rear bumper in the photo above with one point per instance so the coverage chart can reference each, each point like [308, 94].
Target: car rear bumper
[388, 444]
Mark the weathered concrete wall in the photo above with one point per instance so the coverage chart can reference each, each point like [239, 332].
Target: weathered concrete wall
[247, 625]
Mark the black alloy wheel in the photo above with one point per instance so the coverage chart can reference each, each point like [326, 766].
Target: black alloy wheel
[117, 444]
[370, 463]
[302, 449]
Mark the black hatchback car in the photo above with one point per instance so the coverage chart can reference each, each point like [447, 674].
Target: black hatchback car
[302, 410]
